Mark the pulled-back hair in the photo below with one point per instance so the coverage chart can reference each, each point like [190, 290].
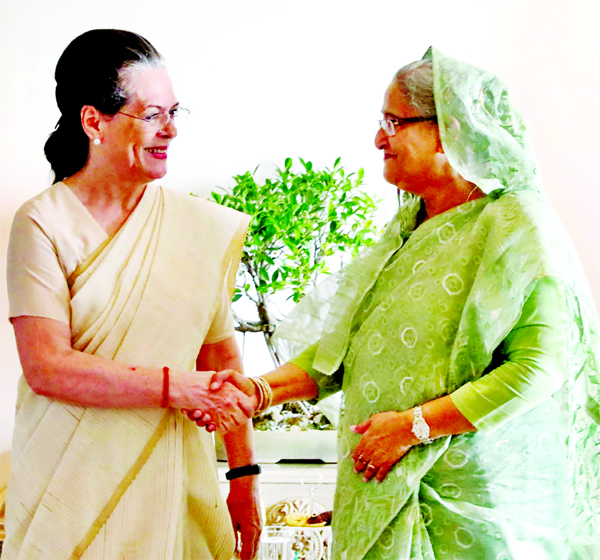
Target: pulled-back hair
[416, 82]
[94, 69]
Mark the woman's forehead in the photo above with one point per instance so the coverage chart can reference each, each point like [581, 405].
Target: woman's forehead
[151, 87]
[396, 103]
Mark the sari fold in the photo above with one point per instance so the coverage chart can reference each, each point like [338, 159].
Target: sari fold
[107, 476]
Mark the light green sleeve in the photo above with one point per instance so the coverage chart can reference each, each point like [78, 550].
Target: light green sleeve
[534, 358]
[328, 384]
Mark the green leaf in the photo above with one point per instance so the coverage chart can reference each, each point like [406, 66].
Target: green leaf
[262, 273]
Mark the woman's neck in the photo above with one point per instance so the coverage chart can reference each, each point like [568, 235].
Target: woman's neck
[99, 190]
[449, 196]
[110, 203]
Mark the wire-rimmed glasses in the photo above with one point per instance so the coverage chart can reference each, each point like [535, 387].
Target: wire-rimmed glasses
[388, 125]
[176, 116]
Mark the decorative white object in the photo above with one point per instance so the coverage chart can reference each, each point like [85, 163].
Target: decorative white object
[420, 428]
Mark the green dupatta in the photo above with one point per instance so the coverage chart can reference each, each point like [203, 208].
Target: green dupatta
[420, 314]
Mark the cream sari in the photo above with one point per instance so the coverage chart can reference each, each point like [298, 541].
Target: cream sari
[102, 483]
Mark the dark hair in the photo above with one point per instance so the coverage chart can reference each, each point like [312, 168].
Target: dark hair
[92, 70]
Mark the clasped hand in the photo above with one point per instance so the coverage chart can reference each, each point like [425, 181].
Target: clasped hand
[237, 400]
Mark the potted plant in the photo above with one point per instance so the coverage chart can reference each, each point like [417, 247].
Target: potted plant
[306, 223]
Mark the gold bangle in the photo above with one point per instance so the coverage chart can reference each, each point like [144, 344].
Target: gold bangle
[268, 393]
[260, 395]
[264, 388]
[265, 393]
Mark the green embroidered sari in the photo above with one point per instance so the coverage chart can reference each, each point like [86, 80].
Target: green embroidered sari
[427, 312]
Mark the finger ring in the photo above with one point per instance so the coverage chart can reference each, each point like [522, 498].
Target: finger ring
[360, 458]
[371, 467]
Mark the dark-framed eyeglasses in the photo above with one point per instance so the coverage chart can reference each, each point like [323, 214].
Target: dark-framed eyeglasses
[389, 125]
[159, 121]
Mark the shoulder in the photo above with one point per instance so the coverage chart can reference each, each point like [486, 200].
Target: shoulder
[519, 210]
[41, 203]
[206, 209]
[525, 223]
[51, 205]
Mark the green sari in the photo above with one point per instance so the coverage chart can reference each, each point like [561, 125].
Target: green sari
[428, 312]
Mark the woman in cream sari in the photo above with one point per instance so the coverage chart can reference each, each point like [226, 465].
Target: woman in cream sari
[465, 343]
[119, 298]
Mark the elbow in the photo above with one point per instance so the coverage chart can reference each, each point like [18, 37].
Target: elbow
[37, 378]
[44, 378]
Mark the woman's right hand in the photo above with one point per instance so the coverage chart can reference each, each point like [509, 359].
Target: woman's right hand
[222, 409]
[240, 381]
[221, 385]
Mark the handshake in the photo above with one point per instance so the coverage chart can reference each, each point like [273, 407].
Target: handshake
[227, 402]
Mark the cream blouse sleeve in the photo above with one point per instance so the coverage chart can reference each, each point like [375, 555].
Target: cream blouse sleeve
[222, 324]
[37, 284]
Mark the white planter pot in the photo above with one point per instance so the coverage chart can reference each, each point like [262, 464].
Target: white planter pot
[275, 447]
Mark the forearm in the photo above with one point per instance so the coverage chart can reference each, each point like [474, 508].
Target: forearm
[239, 447]
[52, 368]
[88, 380]
[92, 381]
[290, 382]
[443, 418]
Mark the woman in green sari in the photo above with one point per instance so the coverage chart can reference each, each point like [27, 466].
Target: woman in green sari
[465, 343]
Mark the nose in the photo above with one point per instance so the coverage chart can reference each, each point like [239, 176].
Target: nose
[169, 130]
[381, 139]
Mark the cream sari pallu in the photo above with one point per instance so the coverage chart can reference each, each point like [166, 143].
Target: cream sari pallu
[146, 297]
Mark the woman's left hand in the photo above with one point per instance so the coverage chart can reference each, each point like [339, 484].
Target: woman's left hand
[244, 508]
[386, 438]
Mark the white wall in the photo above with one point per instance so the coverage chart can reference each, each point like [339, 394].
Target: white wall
[267, 79]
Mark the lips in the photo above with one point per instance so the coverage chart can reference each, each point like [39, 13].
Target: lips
[159, 152]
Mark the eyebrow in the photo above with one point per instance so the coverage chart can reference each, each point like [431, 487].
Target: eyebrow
[161, 107]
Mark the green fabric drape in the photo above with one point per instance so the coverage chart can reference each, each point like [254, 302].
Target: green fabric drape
[421, 314]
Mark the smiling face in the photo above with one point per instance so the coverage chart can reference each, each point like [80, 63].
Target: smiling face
[134, 150]
[410, 154]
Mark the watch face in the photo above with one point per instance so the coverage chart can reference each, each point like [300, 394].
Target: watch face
[421, 429]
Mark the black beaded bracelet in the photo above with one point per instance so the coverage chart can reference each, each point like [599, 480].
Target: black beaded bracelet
[242, 471]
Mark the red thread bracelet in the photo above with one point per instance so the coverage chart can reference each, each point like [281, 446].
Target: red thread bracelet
[165, 394]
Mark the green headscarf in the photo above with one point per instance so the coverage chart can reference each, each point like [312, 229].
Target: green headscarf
[483, 134]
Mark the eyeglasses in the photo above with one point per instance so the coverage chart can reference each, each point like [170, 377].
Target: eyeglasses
[159, 121]
[389, 125]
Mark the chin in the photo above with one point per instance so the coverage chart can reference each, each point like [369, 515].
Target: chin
[155, 174]
[391, 178]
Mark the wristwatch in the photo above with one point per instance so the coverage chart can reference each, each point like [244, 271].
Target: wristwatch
[420, 428]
